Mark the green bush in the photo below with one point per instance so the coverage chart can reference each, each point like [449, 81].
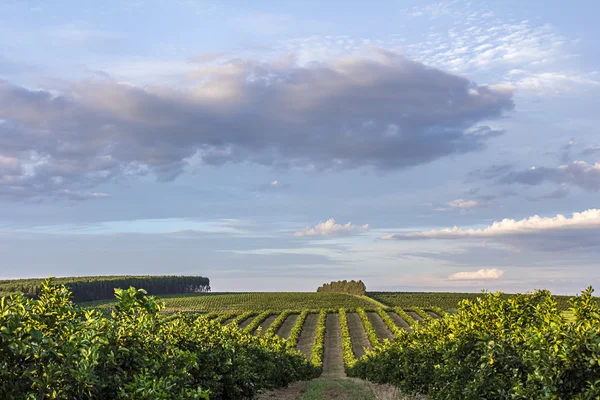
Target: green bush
[52, 349]
[497, 348]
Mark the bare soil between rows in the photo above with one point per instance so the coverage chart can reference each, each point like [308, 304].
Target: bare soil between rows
[359, 338]
[265, 324]
[286, 328]
[380, 327]
[333, 361]
[307, 336]
[399, 321]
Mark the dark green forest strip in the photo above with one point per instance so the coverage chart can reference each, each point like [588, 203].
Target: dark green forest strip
[93, 288]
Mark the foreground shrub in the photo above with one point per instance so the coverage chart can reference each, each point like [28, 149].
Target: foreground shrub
[52, 349]
[496, 348]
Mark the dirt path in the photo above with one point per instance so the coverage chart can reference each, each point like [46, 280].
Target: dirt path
[357, 335]
[382, 331]
[227, 321]
[285, 328]
[415, 316]
[333, 362]
[399, 321]
[245, 323]
[335, 388]
[433, 315]
[266, 324]
[307, 336]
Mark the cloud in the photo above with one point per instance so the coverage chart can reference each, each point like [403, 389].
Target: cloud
[330, 228]
[589, 150]
[559, 193]
[461, 204]
[489, 273]
[578, 173]
[273, 186]
[579, 221]
[381, 111]
[80, 196]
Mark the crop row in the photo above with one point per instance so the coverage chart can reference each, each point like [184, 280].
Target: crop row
[347, 351]
[389, 322]
[370, 331]
[407, 318]
[316, 358]
[292, 340]
[251, 327]
[274, 327]
[421, 313]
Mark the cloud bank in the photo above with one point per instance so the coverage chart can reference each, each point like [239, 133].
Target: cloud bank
[586, 220]
[381, 111]
[578, 173]
[330, 228]
[488, 273]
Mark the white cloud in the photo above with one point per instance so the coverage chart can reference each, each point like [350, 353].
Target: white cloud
[489, 273]
[550, 82]
[461, 203]
[586, 220]
[329, 227]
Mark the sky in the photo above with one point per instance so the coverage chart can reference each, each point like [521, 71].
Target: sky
[274, 146]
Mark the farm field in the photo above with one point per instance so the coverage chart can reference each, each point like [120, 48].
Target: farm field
[330, 353]
[334, 336]
[253, 301]
[443, 300]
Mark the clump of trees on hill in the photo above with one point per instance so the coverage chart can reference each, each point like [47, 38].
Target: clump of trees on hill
[90, 288]
[350, 287]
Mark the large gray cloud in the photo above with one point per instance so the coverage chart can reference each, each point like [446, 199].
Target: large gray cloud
[578, 173]
[381, 111]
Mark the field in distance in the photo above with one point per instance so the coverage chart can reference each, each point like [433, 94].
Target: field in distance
[280, 301]
[444, 300]
[255, 301]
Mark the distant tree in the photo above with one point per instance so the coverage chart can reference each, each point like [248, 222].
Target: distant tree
[90, 288]
[350, 287]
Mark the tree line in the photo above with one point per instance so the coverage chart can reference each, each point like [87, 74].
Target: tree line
[91, 288]
[350, 287]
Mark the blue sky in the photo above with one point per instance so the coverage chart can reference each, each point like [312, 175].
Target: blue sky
[276, 145]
